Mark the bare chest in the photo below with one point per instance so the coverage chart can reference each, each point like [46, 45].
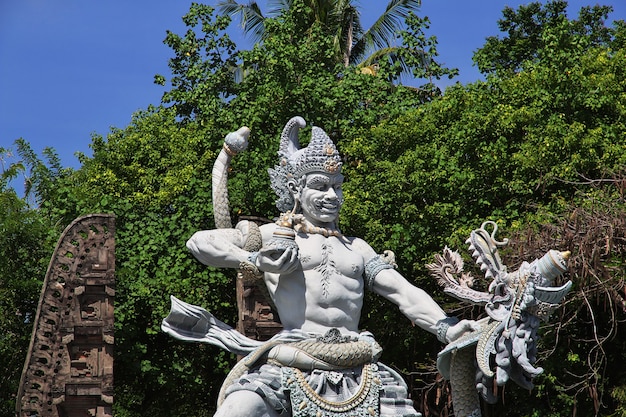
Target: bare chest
[329, 256]
[332, 270]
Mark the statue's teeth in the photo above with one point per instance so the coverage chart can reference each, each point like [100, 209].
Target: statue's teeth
[475, 254]
[483, 267]
[488, 274]
[469, 240]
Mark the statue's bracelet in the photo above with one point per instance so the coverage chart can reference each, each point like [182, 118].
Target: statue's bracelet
[252, 257]
[443, 326]
[248, 267]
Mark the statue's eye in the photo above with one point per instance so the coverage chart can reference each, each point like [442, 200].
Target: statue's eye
[319, 185]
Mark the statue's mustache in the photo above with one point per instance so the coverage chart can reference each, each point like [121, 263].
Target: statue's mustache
[327, 202]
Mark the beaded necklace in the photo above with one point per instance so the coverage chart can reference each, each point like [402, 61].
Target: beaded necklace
[301, 225]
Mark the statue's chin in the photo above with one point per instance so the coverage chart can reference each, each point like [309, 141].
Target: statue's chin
[323, 220]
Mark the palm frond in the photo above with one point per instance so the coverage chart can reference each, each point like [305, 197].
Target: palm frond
[382, 33]
[276, 7]
[250, 16]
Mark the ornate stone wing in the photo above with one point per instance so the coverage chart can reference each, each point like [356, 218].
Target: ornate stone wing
[448, 269]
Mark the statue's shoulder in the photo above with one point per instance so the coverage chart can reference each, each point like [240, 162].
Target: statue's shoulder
[267, 230]
[250, 233]
[362, 247]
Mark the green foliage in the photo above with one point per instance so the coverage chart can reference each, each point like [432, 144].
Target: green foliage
[619, 394]
[418, 52]
[489, 150]
[536, 31]
[153, 264]
[46, 182]
[24, 247]
[422, 170]
[202, 69]
[151, 161]
[340, 21]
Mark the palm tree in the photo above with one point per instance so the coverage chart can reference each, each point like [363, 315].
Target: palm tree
[341, 18]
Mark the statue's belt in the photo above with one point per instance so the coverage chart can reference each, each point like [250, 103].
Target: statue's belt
[313, 354]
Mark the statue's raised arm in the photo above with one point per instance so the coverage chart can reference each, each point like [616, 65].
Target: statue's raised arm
[225, 246]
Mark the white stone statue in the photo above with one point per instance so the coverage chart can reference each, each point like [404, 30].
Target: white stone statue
[321, 364]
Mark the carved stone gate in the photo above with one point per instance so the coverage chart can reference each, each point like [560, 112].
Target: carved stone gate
[257, 318]
[69, 366]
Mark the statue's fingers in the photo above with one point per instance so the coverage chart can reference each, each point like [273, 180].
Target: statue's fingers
[474, 325]
[285, 256]
[294, 256]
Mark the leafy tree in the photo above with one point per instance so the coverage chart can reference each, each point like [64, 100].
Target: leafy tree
[351, 44]
[201, 89]
[24, 247]
[535, 31]
[202, 69]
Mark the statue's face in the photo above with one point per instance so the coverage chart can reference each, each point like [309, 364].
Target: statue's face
[321, 197]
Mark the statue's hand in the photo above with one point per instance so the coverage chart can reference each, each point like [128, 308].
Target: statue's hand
[461, 328]
[278, 261]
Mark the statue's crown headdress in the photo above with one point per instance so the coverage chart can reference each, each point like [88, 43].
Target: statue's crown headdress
[320, 155]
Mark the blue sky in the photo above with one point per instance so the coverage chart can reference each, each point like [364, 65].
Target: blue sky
[71, 68]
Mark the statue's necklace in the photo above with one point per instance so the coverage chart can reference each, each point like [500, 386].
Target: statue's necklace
[301, 225]
[316, 230]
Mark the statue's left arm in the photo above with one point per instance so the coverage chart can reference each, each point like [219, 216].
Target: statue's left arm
[416, 304]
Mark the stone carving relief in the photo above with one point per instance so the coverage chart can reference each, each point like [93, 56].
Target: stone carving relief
[68, 370]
